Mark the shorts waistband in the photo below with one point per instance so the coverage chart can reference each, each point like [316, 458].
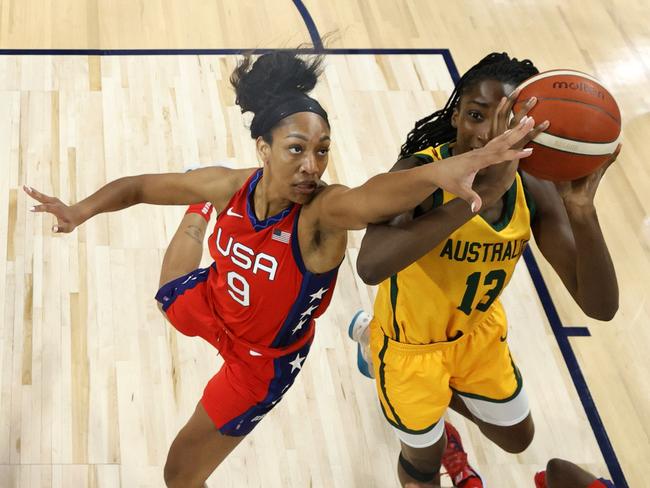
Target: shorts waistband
[423, 348]
[265, 351]
[437, 346]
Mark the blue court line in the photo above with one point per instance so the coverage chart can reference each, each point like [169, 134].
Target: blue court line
[225, 51]
[576, 332]
[578, 378]
[309, 22]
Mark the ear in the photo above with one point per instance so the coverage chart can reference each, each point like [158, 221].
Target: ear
[454, 118]
[263, 150]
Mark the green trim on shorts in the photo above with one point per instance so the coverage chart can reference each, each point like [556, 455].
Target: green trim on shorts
[518, 378]
[394, 290]
[406, 430]
[382, 384]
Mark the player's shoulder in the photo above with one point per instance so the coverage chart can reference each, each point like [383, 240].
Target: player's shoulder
[239, 176]
[408, 162]
[222, 174]
[433, 153]
[223, 182]
[227, 175]
[310, 213]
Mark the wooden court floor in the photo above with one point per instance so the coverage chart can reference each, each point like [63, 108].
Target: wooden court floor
[94, 384]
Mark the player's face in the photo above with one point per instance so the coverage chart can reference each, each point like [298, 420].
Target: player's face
[475, 112]
[298, 155]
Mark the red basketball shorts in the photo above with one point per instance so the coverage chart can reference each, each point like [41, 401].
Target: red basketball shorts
[248, 385]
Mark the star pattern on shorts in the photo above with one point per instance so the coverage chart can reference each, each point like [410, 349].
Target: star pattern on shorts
[297, 363]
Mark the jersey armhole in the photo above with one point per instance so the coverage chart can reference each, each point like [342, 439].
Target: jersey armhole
[530, 201]
[438, 195]
[423, 159]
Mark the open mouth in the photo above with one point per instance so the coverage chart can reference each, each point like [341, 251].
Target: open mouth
[306, 188]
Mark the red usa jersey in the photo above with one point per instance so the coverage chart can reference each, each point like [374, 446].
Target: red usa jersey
[262, 291]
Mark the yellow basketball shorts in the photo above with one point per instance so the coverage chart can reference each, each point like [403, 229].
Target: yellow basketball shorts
[415, 382]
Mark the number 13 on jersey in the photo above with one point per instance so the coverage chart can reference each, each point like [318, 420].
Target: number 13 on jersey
[495, 280]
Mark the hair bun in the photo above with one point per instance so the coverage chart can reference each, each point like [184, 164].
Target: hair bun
[273, 76]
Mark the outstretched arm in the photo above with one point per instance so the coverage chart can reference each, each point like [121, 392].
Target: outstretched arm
[568, 234]
[214, 184]
[390, 247]
[386, 195]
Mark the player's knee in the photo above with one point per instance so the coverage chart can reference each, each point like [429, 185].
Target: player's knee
[178, 476]
[518, 439]
[172, 475]
[162, 311]
[555, 465]
[516, 446]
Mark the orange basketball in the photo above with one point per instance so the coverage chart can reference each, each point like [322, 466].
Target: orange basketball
[585, 124]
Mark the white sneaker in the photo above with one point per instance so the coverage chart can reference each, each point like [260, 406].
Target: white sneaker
[358, 332]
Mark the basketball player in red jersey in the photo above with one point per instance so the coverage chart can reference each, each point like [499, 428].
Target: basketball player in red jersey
[278, 228]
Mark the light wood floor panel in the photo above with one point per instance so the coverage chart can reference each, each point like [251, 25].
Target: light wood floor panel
[148, 24]
[95, 384]
[92, 376]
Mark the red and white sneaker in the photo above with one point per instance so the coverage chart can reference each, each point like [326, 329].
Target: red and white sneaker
[454, 460]
[540, 479]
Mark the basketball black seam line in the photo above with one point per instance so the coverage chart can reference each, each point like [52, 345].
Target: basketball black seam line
[539, 99]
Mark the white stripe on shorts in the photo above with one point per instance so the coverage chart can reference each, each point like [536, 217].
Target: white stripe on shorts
[422, 440]
[503, 414]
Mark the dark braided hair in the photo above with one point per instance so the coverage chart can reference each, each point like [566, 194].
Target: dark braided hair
[436, 128]
[273, 78]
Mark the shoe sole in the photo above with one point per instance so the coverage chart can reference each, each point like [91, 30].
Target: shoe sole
[362, 364]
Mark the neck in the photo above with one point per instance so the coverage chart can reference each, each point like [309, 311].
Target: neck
[267, 201]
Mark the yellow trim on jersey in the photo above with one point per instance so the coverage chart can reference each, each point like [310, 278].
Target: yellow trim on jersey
[435, 153]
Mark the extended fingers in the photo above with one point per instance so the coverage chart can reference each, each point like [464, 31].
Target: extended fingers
[497, 127]
[503, 113]
[522, 129]
[44, 207]
[519, 153]
[511, 100]
[473, 198]
[532, 134]
[506, 109]
[612, 158]
[526, 107]
[36, 195]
